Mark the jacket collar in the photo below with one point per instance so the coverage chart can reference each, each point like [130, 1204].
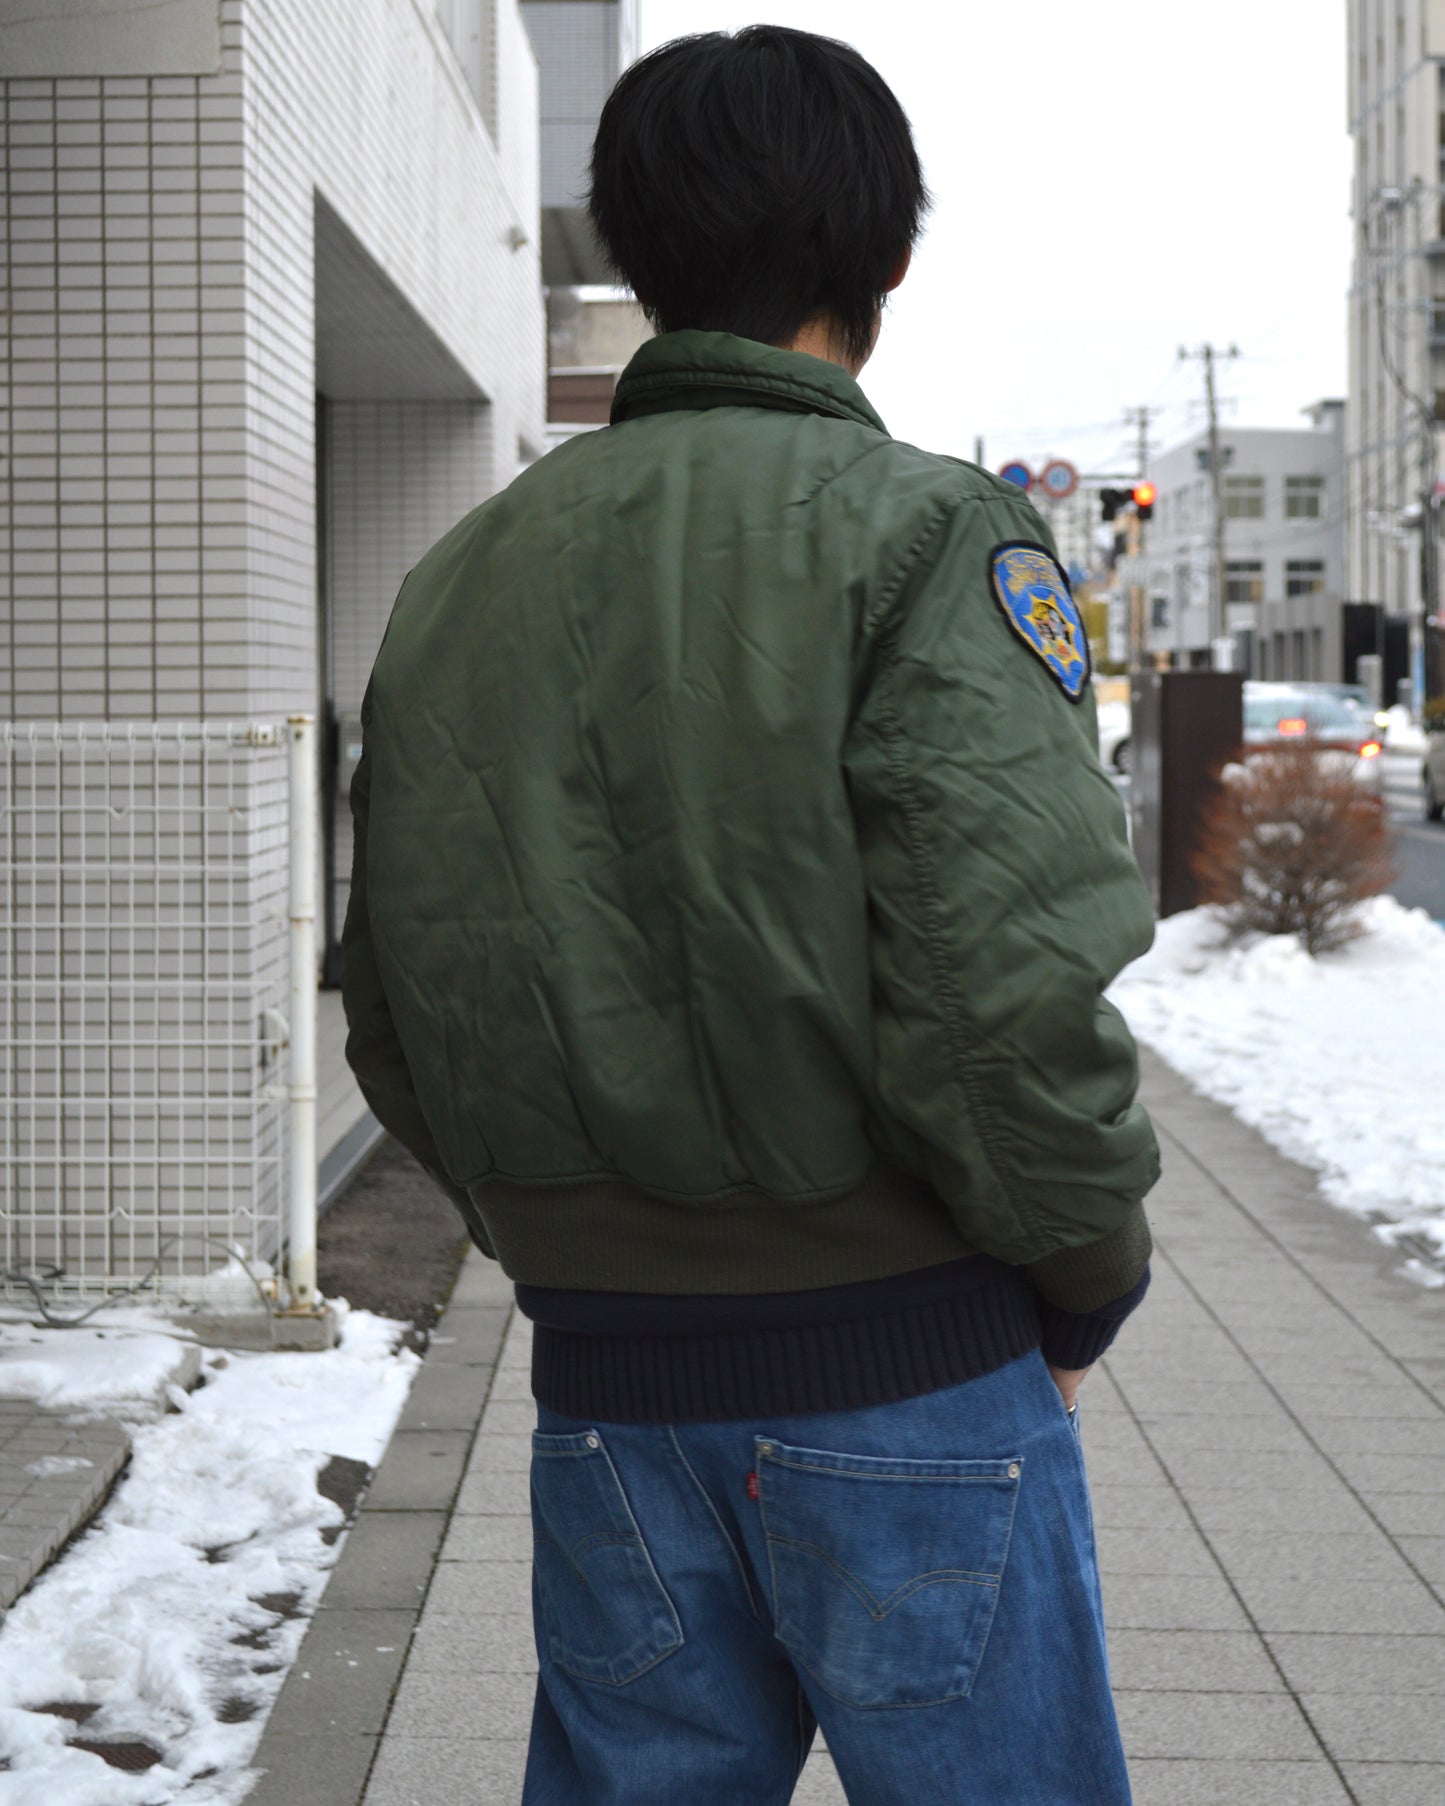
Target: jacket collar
[713, 369]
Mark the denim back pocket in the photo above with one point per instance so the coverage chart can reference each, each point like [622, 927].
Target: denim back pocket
[603, 1607]
[885, 1571]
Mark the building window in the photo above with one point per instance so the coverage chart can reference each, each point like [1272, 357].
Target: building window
[1244, 581]
[1244, 498]
[1159, 611]
[1304, 498]
[1304, 577]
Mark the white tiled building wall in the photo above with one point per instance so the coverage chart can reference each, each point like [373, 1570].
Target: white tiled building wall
[162, 369]
[158, 519]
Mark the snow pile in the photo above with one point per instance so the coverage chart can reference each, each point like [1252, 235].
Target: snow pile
[83, 1368]
[1339, 1061]
[1403, 736]
[213, 1535]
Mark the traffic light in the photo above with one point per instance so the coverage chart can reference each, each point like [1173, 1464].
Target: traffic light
[1113, 500]
[1144, 498]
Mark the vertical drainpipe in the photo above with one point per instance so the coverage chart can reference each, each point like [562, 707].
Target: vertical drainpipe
[301, 1237]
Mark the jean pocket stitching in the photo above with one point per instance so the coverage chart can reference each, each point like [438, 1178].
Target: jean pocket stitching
[668, 1631]
[878, 1609]
[1010, 1471]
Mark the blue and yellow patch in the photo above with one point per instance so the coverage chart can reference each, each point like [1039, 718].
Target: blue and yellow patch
[1030, 587]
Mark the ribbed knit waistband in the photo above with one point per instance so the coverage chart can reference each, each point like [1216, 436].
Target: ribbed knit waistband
[928, 1343]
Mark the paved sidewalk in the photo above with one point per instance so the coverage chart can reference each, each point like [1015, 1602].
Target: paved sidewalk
[1267, 1450]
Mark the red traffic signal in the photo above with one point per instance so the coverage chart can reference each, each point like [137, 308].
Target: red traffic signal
[1145, 495]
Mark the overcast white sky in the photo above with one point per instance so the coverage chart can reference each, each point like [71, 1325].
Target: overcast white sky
[1111, 181]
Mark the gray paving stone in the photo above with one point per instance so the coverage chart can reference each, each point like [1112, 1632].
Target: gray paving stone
[387, 1560]
[1355, 1663]
[478, 1588]
[1379, 1727]
[436, 1703]
[1286, 1555]
[494, 1494]
[512, 1383]
[1308, 1511]
[1260, 1470]
[324, 1771]
[1250, 1726]
[1427, 1556]
[1195, 1661]
[1171, 1602]
[446, 1398]
[420, 1471]
[1396, 1783]
[496, 1453]
[344, 1681]
[432, 1771]
[1153, 1551]
[500, 1644]
[1316, 1401]
[1408, 1513]
[1380, 1435]
[1223, 1782]
[1139, 1507]
[1175, 1437]
[488, 1539]
[1180, 1400]
[469, 1336]
[510, 1417]
[1376, 1473]
[1385, 1607]
[818, 1785]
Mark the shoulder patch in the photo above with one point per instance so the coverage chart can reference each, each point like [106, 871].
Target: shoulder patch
[1030, 587]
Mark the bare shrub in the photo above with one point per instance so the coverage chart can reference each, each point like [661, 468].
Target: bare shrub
[1290, 843]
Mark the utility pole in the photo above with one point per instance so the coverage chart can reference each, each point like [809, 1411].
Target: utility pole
[1218, 614]
[1139, 418]
[1138, 592]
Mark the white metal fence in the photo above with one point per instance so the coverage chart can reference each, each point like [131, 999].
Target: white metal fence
[144, 979]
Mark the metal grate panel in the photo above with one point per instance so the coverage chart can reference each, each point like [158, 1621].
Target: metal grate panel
[143, 991]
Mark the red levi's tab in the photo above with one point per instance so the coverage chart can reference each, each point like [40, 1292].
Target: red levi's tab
[752, 1486]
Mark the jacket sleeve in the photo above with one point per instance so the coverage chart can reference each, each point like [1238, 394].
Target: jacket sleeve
[1003, 899]
[373, 1050]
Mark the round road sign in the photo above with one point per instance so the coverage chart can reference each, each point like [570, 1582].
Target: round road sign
[1016, 471]
[1059, 480]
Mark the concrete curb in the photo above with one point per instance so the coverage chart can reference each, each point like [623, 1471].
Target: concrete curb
[323, 1733]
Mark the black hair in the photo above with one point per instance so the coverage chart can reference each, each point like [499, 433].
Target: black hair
[747, 182]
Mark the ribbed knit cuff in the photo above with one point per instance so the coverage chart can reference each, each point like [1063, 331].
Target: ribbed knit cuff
[1088, 1277]
[1075, 1339]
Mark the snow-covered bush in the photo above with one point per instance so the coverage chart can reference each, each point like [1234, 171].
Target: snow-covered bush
[1290, 843]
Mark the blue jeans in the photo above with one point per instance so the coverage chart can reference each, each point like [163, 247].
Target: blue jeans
[918, 1578]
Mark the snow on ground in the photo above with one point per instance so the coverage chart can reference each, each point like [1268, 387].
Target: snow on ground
[1402, 735]
[1339, 1061]
[217, 1512]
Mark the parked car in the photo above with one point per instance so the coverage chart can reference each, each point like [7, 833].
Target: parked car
[1359, 697]
[1114, 736]
[1309, 714]
[1432, 776]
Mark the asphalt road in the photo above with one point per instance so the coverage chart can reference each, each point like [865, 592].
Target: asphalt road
[1421, 845]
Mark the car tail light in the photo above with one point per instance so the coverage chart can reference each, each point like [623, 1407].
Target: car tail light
[1370, 750]
[1294, 724]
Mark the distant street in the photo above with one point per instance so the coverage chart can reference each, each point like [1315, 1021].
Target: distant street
[1421, 848]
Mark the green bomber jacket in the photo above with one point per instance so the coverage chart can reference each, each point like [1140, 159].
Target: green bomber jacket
[736, 883]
